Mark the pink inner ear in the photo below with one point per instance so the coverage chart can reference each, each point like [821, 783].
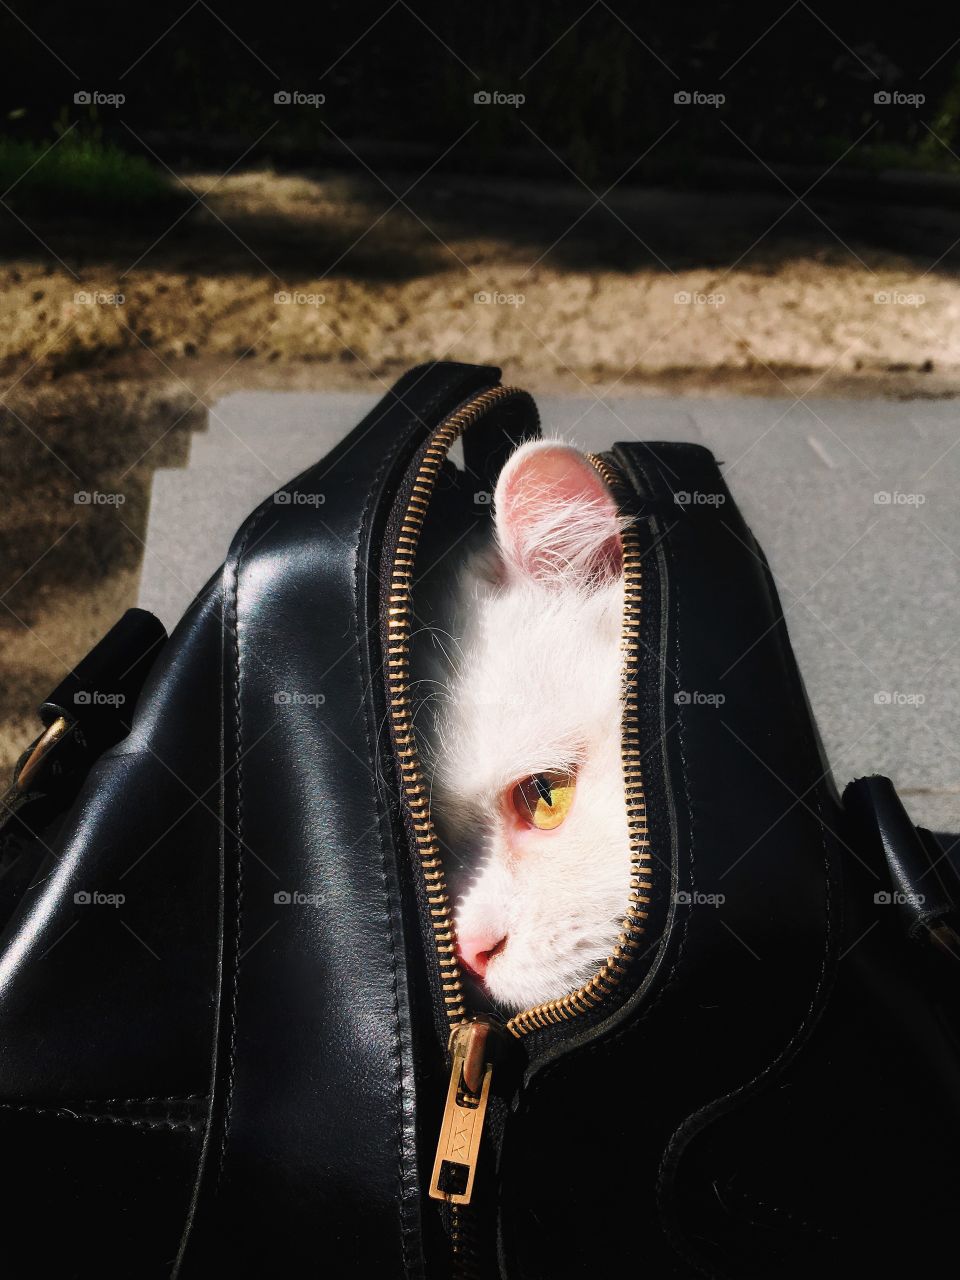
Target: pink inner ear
[555, 517]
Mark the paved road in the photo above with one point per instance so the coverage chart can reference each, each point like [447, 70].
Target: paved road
[853, 501]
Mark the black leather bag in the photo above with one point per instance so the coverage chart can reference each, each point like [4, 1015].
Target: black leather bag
[233, 1034]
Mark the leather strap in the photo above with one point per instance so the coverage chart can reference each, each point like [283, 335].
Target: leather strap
[90, 710]
[924, 885]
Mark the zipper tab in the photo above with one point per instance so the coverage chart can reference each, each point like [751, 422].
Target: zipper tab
[463, 1116]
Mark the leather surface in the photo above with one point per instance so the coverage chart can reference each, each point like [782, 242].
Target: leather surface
[926, 888]
[103, 687]
[779, 1020]
[237, 1067]
[107, 1008]
[314, 1135]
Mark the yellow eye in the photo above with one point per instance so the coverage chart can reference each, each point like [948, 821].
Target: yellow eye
[544, 799]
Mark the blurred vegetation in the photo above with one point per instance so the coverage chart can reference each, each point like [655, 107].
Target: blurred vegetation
[79, 173]
[599, 85]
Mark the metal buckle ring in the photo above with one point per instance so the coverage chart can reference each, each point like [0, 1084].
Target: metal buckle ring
[33, 765]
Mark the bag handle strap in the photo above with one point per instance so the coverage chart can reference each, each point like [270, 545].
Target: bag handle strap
[88, 711]
[925, 886]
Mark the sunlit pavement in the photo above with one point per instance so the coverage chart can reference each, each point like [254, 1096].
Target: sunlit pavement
[853, 503]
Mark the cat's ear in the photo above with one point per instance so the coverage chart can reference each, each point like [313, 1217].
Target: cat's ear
[555, 518]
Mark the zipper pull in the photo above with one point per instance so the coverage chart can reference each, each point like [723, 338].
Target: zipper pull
[463, 1116]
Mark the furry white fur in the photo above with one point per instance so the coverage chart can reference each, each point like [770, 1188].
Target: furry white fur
[537, 686]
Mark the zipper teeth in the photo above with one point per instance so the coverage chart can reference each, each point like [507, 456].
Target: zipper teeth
[399, 618]
[604, 982]
[400, 613]
[463, 1239]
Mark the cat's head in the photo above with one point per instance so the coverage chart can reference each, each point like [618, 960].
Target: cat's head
[527, 778]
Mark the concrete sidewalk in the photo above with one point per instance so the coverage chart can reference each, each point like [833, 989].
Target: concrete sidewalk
[853, 502]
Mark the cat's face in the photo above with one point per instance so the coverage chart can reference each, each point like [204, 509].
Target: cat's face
[527, 772]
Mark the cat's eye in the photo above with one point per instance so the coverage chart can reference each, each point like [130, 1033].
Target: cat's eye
[544, 799]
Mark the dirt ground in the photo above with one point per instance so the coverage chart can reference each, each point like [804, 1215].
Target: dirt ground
[114, 338]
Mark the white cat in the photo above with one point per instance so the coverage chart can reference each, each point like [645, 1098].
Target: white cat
[523, 751]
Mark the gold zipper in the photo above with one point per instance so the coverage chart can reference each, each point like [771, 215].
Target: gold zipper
[601, 986]
[471, 1071]
[468, 1093]
[399, 621]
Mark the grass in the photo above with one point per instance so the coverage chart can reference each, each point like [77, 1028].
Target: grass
[81, 175]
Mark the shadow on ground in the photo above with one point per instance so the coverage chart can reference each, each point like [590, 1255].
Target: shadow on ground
[356, 227]
[115, 338]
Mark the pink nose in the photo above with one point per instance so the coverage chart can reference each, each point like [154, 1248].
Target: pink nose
[478, 949]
